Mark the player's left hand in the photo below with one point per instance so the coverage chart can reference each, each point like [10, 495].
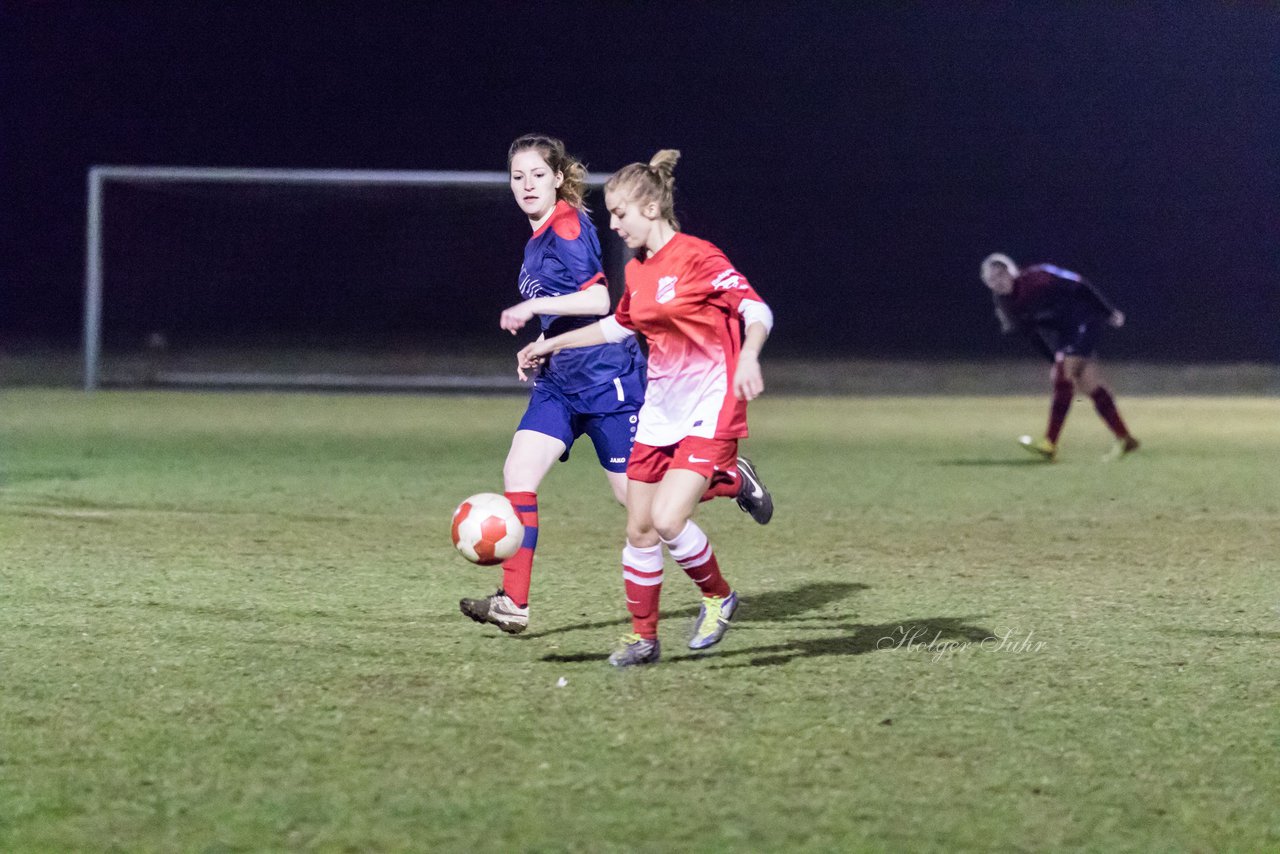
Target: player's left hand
[528, 359]
[1116, 319]
[748, 381]
[514, 318]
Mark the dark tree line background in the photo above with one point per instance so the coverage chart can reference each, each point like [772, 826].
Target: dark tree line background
[857, 161]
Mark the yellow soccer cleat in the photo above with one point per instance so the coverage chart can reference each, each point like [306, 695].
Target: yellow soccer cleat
[713, 620]
[1042, 448]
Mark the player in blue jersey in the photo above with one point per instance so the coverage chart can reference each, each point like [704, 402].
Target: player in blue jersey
[1063, 314]
[595, 390]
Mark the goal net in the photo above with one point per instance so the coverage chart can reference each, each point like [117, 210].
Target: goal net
[320, 278]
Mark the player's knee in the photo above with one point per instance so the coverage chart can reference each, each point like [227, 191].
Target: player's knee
[1088, 381]
[641, 536]
[669, 523]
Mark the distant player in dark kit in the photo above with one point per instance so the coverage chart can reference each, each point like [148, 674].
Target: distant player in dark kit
[1063, 315]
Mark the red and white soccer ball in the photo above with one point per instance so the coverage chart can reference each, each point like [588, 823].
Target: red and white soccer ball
[487, 529]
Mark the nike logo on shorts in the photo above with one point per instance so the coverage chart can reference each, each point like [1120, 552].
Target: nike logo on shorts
[694, 459]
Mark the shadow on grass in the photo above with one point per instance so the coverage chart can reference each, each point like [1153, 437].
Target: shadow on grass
[781, 605]
[994, 463]
[931, 635]
[775, 606]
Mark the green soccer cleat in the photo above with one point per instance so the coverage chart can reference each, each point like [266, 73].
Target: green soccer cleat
[1042, 448]
[635, 650]
[1121, 448]
[713, 620]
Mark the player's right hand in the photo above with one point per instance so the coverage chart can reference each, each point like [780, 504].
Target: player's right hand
[748, 381]
[514, 318]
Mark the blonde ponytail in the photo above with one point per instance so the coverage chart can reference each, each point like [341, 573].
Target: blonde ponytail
[664, 165]
[654, 182]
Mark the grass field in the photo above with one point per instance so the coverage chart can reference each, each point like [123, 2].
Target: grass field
[230, 624]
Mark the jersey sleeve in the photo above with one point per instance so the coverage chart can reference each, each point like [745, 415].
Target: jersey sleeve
[754, 311]
[614, 331]
[1081, 288]
[1093, 295]
[575, 261]
[724, 284]
[622, 313]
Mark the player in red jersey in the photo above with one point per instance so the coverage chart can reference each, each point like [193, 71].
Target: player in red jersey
[1062, 314]
[705, 326]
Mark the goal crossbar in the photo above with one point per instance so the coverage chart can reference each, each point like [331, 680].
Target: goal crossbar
[98, 176]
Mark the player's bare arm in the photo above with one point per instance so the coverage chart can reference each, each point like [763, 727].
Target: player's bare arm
[748, 379]
[531, 355]
[592, 301]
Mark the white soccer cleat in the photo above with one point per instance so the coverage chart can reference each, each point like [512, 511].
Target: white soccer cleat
[1121, 448]
[498, 609]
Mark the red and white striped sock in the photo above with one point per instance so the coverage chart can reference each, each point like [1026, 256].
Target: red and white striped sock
[693, 552]
[642, 578]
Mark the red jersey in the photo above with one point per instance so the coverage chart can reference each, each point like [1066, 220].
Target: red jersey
[685, 300]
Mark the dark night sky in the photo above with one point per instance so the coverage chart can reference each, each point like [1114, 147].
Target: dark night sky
[855, 160]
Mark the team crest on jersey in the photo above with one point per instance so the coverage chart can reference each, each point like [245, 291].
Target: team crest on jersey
[729, 280]
[666, 289]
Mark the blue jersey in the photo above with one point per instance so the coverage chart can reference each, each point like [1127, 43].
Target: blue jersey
[563, 257]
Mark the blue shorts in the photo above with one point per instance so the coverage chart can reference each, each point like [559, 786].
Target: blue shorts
[1079, 340]
[607, 413]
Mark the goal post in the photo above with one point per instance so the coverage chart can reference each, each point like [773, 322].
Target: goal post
[102, 177]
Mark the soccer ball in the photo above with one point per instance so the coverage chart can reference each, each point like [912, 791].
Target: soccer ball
[487, 529]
